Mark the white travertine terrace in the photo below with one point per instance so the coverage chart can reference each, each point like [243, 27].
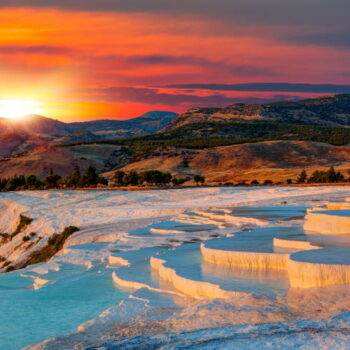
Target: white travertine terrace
[318, 268]
[160, 231]
[124, 220]
[245, 259]
[338, 205]
[39, 282]
[307, 265]
[128, 284]
[279, 242]
[306, 269]
[196, 289]
[117, 260]
[311, 266]
[328, 221]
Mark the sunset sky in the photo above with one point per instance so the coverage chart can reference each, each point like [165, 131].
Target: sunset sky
[90, 59]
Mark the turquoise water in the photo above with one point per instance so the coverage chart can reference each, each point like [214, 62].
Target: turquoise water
[229, 278]
[76, 294]
[30, 316]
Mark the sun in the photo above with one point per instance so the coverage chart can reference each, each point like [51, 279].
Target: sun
[17, 109]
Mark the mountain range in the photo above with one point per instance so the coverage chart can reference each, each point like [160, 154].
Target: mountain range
[323, 111]
[21, 135]
[229, 144]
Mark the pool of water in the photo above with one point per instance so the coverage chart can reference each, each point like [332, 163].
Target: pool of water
[29, 316]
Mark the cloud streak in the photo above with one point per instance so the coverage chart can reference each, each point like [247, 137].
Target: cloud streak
[268, 87]
[39, 49]
[155, 97]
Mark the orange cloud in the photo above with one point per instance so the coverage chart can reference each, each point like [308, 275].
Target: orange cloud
[56, 56]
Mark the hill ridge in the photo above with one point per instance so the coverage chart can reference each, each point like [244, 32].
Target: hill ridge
[333, 110]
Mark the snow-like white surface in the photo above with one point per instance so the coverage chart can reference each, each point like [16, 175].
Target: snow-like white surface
[280, 242]
[103, 285]
[188, 286]
[328, 221]
[318, 268]
[338, 205]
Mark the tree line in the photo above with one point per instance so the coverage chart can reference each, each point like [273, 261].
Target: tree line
[53, 180]
[90, 178]
[321, 176]
[152, 177]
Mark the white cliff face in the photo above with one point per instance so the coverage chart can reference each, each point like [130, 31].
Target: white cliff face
[245, 259]
[338, 205]
[328, 222]
[193, 260]
[311, 266]
[293, 244]
[319, 268]
[187, 286]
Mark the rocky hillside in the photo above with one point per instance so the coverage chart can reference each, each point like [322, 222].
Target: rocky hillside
[16, 144]
[323, 111]
[22, 135]
[274, 160]
[34, 125]
[147, 123]
[63, 160]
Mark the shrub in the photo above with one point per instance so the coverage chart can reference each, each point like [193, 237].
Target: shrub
[329, 176]
[54, 244]
[57, 240]
[268, 182]
[302, 177]
[255, 183]
[119, 177]
[132, 178]
[199, 179]
[24, 222]
[52, 180]
[25, 238]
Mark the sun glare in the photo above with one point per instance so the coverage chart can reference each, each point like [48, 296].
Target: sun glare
[15, 109]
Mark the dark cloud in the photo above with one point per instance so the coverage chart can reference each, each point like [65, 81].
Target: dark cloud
[268, 87]
[153, 96]
[209, 65]
[329, 17]
[339, 38]
[255, 11]
[40, 49]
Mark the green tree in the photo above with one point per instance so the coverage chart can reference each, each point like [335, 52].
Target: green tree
[33, 182]
[52, 180]
[166, 178]
[199, 179]
[156, 177]
[15, 183]
[119, 177]
[3, 183]
[329, 176]
[73, 179]
[132, 178]
[102, 181]
[181, 180]
[302, 177]
[90, 177]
